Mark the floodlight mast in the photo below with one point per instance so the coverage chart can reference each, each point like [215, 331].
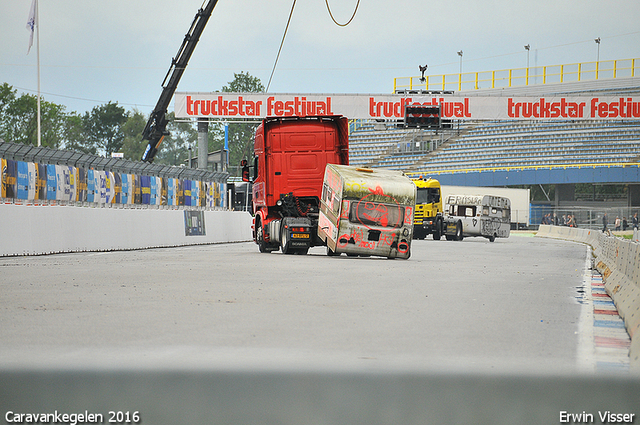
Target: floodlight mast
[156, 128]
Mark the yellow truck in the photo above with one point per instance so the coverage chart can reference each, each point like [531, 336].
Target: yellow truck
[428, 218]
[366, 212]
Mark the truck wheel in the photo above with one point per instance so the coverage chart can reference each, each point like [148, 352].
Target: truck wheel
[459, 236]
[437, 231]
[285, 245]
[262, 245]
[284, 241]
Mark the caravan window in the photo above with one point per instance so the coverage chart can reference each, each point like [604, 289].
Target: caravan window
[330, 199]
[376, 214]
[462, 210]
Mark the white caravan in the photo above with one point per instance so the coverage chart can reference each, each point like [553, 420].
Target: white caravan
[471, 215]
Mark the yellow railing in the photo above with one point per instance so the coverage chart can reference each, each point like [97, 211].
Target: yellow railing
[583, 71]
[522, 168]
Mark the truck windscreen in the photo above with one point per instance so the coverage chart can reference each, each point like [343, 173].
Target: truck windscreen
[427, 195]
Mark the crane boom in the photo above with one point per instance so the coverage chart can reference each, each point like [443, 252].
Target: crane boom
[156, 127]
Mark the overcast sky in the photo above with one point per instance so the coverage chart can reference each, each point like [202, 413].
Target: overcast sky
[120, 50]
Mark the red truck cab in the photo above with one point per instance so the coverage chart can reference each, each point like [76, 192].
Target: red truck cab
[289, 164]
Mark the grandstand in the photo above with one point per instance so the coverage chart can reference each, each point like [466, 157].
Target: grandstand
[498, 144]
[509, 144]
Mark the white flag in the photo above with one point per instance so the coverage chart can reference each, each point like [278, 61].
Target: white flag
[31, 23]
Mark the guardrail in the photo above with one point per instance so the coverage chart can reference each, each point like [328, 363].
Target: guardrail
[618, 260]
[583, 71]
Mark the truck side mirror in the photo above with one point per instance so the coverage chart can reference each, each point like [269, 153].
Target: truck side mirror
[255, 168]
[245, 170]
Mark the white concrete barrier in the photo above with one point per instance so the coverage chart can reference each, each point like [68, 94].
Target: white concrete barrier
[618, 260]
[34, 230]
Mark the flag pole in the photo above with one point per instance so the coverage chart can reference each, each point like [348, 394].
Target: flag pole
[38, 66]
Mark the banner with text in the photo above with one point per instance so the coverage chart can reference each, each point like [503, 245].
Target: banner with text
[370, 106]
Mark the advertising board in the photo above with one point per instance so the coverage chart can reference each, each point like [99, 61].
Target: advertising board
[380, 106]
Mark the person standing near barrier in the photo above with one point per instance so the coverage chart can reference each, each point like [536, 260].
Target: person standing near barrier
[604, 223]
[616, 224]
[545, 219]
[635, 221]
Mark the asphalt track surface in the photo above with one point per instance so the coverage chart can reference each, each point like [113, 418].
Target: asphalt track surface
[507, 305]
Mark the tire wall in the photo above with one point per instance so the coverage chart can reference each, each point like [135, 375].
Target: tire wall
[618, 260]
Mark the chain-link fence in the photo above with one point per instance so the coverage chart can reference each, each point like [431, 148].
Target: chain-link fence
[617, 218]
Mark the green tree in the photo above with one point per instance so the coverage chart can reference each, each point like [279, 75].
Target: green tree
[75, 136]
[132, 145]
[104, 128]
[215, 138]
[175, 147]
[241, 134]
[19, 121]
[53, 123]
[244, 83]
[7, 95]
